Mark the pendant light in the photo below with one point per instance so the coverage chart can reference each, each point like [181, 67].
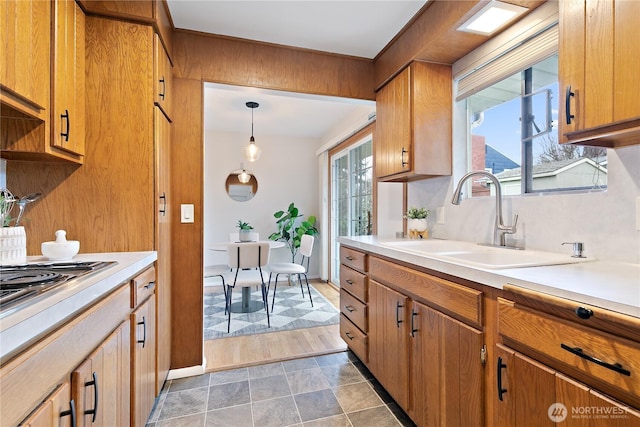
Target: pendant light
[244, 176]
[252, 151]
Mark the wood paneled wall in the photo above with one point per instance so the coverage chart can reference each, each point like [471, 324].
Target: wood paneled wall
[107, 203]
[187, 152]
[239, 62]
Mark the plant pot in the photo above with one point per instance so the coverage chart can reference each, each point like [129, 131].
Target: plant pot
[13, 245]
[417, 224]
[244, 235]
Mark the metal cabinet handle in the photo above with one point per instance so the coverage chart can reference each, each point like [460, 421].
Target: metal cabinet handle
[613, 366]
[413, 328]
[404, 163]
[164, 88]
[398, 320]
[501, 390]
[71, 411]
[349, 308]
[93, 411]
[567, 104]
[66, 133]
[348, 335]
[349, 258]
[163, 198]
[584, 313]
[150, 285]
[144, 331]
[349, 282]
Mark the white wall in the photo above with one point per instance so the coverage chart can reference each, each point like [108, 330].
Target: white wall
[287, 172]
[604, 221]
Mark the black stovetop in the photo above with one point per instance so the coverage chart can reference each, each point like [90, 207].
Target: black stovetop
[19, 283]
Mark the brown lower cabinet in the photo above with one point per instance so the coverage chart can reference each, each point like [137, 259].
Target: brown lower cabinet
[457, 353]
[101, 384]
[531, 393]
[143, 361]
[57, 410]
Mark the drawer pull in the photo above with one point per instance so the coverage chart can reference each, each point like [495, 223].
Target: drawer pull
[349, 308]
[501, 390]
[348, 335]
[349, 282]
[613, 366]
[349, 258]
[584, 313]
[150, 285]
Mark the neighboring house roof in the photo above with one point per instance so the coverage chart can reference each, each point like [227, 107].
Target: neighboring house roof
[496, 161]
[551, 168]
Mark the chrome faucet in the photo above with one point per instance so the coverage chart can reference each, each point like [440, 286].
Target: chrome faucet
[499, 229]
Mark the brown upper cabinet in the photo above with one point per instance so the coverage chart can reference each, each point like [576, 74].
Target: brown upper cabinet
[413, 124]
[24, 74]
[68, 64]
[162, 77]
[599, 84]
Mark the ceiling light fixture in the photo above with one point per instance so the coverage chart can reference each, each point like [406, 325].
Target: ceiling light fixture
[244, 176]
[492, 17]
[252, 151]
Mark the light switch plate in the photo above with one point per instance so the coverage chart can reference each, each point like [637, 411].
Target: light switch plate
[440, 215]
[186, 213]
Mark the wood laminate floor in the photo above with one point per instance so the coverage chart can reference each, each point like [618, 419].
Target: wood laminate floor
[239, 352]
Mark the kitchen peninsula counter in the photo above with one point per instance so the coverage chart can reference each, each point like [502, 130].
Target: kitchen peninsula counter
[24, 324]
[611, 285]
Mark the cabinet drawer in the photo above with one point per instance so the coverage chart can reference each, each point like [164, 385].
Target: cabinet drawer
[354, 259]
[355, 310]
[599, 359]
[353, 282]
[142, 286]
[460, 302]
[355, 338]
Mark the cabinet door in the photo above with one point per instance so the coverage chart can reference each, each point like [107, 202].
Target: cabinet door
[446, 370]
[56, 411]
[389, 346]
[162, 77]
[526, 390]
[143, 374]
[101, 384]
[583, 407]
[163, 243]
[392, 139]
[68, 63]
[25, 34]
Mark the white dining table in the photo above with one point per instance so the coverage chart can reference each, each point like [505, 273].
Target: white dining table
[246, 305]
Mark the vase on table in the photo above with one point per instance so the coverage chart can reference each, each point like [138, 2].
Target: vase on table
[417, 227]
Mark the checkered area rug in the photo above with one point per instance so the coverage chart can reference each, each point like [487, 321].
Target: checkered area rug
[291, 311]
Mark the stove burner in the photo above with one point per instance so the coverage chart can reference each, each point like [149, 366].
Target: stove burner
[28, 278]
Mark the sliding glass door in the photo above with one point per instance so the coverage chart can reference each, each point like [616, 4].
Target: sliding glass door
[351, 196]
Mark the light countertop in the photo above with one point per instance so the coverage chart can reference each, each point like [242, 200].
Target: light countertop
[610, 285]
[21, 326]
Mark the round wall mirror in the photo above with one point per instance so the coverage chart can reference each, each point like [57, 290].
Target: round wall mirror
[241, 191]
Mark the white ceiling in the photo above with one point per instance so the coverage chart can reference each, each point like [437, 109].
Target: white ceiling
[358, 28]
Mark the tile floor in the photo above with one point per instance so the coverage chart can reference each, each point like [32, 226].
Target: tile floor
[332, 390]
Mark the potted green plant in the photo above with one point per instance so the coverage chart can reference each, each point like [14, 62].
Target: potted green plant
[291, 228]
[417, 221]
[244, 231]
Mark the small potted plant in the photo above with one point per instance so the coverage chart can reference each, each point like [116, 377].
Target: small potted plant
[244, 233]
[417, 221]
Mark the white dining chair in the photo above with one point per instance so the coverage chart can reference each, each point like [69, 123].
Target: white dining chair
[222, 271]
[292, 268]
[246, 261]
